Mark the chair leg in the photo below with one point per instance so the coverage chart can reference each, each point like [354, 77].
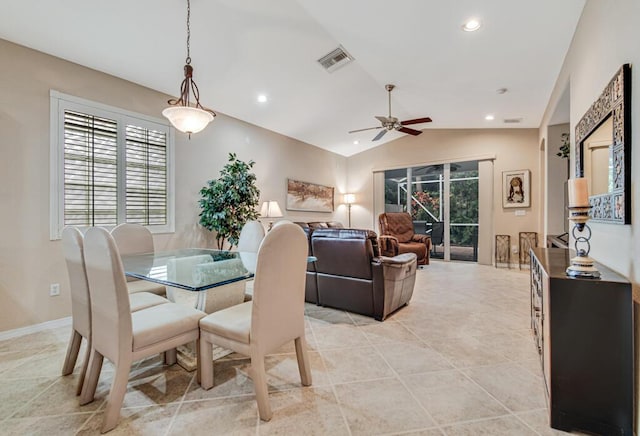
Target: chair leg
[199, 362]
[259, 376]
[170, 356]
[93, 374]
[72, 352]
[116, 395]
[303, 361]
[83, 372]
[205, 364]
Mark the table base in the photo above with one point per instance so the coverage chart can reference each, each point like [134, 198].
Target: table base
[187, 355]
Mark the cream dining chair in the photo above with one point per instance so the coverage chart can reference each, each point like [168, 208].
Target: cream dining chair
[135, 239]
[73, 246]
[120, 335]
[250, 239]
[274, 317]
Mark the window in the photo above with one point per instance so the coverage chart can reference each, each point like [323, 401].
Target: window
[108, 166]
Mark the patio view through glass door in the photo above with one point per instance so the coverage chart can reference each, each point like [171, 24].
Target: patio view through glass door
[443, 201]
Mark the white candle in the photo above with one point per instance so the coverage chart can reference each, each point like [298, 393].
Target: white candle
[578, 193]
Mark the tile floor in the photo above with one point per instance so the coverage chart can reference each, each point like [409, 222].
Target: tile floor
[459, 360]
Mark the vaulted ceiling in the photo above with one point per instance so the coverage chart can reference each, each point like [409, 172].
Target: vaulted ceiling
[243, 48]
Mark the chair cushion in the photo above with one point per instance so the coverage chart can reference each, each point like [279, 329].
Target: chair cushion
[233, 322]
[419, 248]
[146, 286]
[158, 323]
[143, 300]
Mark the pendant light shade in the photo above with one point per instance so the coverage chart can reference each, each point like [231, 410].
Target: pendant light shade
[188, 119]
[184, 116]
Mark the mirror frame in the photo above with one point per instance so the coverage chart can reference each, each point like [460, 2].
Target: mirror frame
[615, 206]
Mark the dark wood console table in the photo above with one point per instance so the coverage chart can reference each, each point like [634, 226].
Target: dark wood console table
[584, 332]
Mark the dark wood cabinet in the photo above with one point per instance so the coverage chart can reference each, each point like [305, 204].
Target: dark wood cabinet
[584, 332]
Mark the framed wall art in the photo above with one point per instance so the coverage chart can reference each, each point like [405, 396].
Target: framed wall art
[309, 197]
[516, 188]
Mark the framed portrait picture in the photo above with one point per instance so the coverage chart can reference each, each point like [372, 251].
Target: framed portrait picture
[309, 197]
[516, 188]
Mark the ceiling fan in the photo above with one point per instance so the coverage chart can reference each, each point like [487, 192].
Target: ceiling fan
[392, 123]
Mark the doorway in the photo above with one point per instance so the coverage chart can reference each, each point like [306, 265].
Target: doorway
[443, 202]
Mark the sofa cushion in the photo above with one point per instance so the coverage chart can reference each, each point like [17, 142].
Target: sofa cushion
[318, 225]
[418, 248]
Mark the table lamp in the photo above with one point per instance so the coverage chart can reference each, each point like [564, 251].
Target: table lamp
[270, 209]
[349, 199]
[581, 264]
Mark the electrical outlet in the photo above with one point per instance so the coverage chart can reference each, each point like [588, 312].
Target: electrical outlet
[54, 289]
[514, 248]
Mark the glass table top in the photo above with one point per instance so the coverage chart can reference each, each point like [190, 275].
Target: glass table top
[193, 269]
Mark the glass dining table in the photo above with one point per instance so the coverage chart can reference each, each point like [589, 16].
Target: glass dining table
[192, 269]
[195, 272]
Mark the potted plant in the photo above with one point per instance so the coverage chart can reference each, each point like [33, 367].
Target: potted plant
[565, 150]
[230, 201]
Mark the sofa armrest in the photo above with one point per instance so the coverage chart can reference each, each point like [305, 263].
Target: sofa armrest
[426, 239]
[393, 282]
[400, 259]
[388, 245]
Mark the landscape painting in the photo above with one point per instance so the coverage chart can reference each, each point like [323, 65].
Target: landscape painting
[309, 197]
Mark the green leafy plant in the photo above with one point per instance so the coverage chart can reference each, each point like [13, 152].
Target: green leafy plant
[425, 199]
[565, 149]
[230, 201]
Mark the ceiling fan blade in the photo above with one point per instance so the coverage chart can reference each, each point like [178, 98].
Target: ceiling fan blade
[383, 119]
[362, 130]
[380, 135]
[409, 131]
[416, 121]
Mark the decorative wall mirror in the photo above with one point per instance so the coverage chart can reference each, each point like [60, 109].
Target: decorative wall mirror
[603, 151]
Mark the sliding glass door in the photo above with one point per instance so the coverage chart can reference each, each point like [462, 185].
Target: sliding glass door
[443, 201]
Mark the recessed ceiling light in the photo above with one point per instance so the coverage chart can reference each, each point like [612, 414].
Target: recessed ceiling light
[356, 142]
[471, 25]
[262, 98]
[489, 117]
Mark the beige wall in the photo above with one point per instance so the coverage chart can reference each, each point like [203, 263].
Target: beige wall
[512, 148]
[554, 183]
[606, 37]
[29, 261]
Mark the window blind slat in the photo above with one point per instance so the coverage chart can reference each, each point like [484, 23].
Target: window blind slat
[91, 171]
[146, 178]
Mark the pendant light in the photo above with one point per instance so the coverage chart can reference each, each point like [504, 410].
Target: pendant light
[181, 113]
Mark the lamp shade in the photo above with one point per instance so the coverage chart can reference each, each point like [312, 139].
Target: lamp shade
[349, 198]
[270, 209]
[188, 119]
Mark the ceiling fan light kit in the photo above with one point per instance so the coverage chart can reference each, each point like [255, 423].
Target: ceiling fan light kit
[181, 113]
[392, 123]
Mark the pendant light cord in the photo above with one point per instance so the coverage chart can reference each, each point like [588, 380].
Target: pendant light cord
[188, 60]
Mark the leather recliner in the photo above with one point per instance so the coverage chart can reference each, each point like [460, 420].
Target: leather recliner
[397, 236]
[350, 274]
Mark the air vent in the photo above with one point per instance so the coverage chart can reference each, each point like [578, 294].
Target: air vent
[338, 58]
[512, 120]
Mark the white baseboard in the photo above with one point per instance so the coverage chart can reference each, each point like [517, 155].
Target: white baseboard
[47, 325]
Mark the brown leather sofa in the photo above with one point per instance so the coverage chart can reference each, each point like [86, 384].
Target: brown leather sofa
[397, 237]
[350, 274]
[311, 287]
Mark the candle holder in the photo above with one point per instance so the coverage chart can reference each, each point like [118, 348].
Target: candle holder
[581, 264]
